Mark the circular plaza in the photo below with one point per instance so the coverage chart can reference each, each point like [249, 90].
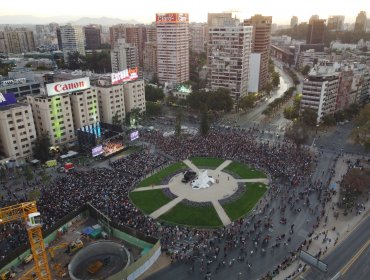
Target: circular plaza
[217, 192]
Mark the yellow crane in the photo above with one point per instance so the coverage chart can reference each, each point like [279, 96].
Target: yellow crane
[27, 211]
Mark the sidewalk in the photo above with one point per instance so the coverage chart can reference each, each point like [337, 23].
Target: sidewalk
[343, 224]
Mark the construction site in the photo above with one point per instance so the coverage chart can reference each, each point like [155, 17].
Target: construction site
[88, 246]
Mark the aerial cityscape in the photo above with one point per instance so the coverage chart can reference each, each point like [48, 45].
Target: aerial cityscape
[185, 140]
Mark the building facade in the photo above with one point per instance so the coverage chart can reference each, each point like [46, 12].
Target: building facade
[17, 131]
[344, 89]
[229, 49]
[111, 102]
[53, 116]
[117, 32]
[20, 87]
[73, 40]
[198, 35]
[17, 41]
[315, 33]
[335, 23]
[134, 96]
[172, 48]
[320, 91]
[124, 56]
[92, 37]
[85, 108]
[261, 44]
[361, 22]
[293, 21]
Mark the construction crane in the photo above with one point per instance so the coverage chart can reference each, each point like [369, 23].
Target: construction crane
[27, 211]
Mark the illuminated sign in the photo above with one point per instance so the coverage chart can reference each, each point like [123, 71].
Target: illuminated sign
[7, 99]
[97, 151]
[134, 135]
[172, 17]
[68, 86]
[125, 76]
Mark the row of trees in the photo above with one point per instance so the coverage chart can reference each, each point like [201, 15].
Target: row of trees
[292, 112]
[278, 102]
[99, 62]
[362, 131]
[292, 75]
[219, 100]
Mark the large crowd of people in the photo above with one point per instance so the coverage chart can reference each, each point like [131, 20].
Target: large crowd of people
[108, 190]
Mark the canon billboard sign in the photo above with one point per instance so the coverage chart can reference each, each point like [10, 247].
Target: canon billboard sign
[68, 86]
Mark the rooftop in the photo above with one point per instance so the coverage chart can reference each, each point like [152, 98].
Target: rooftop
[12, 106]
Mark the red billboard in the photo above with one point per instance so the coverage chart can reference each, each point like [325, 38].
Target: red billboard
[126, 75]
[172, 17]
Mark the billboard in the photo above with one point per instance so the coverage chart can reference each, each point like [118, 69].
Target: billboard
[134, 135]
[172, 17]
[68, 86]
[97, 151]
[7, 99]
[126, 75]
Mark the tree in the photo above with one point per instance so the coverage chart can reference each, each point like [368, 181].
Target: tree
[297, 133]
[328, 120]
[153, 94]
[153, 109]
[204, 123]
[275, 79]
[99, 62]
[309, 117]
[135, 116]
[268, 88]
[219, 100]
[76, 61]
[306, 70]
[178, 122]
[247, 101]
[354, 184]
[116, 120]
[42, 145]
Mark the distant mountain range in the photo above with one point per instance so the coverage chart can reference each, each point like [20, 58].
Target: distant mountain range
[28, 19]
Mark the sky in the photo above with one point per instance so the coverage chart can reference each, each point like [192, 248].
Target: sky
[144, 10]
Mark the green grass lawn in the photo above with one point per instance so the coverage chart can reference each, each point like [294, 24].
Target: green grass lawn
[210, 162]
[149, 201]
[202, 217]
[244, 171]
[246, 202]
[157, 178]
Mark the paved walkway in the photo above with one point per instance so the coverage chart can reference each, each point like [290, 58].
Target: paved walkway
[150, 188]
[191, 165]
[257, 180]
[221, 213]
[223, 165]
[165, 208]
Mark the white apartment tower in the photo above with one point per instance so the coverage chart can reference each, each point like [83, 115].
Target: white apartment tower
[53, 115]
[111, 102]
[85, 109]
[229, 49]
[17, 131]
[73, 40]
[124, 56]
[320, 90]
[198, 33]
[172, 47]
[135, 96]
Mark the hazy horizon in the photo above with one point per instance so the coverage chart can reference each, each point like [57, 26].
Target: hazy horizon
[281, 11]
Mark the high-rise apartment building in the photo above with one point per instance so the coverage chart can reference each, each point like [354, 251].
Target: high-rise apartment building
[293, 21]
[92, 37]
[261, 44]
[229, 49]
[17, 41]
[134, 96]
[117, 32]
[111, 102]
[136, 35]
[150, 58]
[53, 116]
[73, 40]
[172, 47]
[315, 33]
[361, 21]
[85, 108]
[124, 56]
[17, 131]
[198, 33]
[320, 90]
[344, 89]
[335, 23]
[219, 19]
